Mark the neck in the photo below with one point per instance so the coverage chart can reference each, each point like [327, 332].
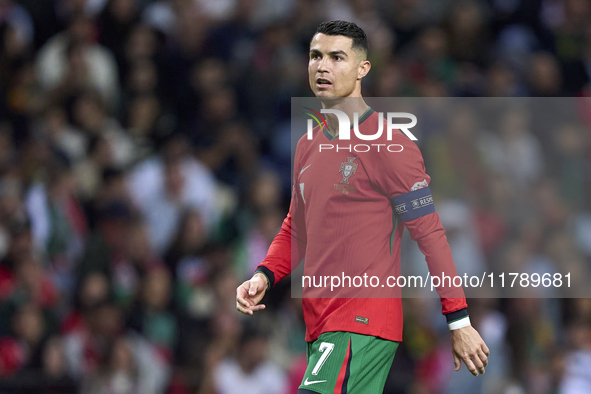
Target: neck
[349, 105]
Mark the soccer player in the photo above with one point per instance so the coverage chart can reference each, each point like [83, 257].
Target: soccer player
[348, 212]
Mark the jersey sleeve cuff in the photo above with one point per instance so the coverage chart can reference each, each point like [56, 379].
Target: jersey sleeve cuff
[461, 323]
[268, 274]
[458, 319]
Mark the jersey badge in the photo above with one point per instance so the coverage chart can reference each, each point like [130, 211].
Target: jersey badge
[347, 169]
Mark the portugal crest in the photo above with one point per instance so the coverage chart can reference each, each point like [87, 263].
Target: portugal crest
[347, 169]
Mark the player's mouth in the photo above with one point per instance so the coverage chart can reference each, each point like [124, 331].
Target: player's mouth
[323, 83]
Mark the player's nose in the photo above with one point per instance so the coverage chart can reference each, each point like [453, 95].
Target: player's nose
[323, 65]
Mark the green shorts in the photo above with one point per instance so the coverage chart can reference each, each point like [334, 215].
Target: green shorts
[347, 363]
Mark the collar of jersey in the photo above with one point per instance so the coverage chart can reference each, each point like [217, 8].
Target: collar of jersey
[362, 119]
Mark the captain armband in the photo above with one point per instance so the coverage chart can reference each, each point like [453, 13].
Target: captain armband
[414, 204]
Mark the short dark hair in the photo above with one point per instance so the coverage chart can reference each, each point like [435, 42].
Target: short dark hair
[347, 29]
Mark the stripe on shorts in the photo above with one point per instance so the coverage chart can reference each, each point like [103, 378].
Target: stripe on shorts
[343, 379]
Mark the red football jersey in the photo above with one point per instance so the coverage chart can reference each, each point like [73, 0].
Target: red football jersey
[348, 211]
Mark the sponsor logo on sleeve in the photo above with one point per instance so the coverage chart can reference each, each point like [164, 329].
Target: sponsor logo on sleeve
[419, 185]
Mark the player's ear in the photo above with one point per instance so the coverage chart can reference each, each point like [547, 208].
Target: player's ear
[364, 67]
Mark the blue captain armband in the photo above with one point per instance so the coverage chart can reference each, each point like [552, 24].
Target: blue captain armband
[414, 204]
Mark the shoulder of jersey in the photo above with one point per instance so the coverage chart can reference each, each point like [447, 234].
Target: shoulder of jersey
[398, 137]
[303, 141]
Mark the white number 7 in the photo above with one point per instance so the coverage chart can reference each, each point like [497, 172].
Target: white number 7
[325, 348]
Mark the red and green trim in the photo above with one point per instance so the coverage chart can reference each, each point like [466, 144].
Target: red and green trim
[344, 373]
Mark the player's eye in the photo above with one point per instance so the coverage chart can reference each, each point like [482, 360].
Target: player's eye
[338, 58]
[314, 56]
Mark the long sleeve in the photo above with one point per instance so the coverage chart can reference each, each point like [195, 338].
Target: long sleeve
[280, 260]
[429, 234]
[406, 183]
[289, 246]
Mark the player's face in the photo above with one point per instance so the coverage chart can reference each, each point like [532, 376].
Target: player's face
[334, 68]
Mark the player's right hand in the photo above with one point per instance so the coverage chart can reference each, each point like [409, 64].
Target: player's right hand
[250, 293]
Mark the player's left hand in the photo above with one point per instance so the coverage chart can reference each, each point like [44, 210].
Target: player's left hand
[468, 346]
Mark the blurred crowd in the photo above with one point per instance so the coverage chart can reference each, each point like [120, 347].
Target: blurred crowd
[145, 168]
